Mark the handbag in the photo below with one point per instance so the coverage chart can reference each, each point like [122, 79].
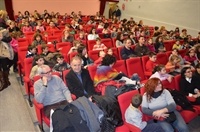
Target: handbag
[171, 118]
[6, 51]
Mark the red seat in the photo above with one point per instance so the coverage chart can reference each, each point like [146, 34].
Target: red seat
[92, 70]
[134, 65]
[71, 55]
[169, 44]
[119, 52]
[61, 45]
[107, 42]
[91, 44]
[124, 101]
[183, 52]
[168, 53]
[53, 38]
[50, 48]
[144, 61]
[64, 73]
[23, 42]
[120, 66]
[162, 58]
[93, 54]
[29, 35]
[57, 33]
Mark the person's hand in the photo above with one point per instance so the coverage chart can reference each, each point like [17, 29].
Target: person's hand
[86, 55]
[170, 79]
[70, 100]
[44, 80]
[195, 95]
[165, 115]
[157, 114]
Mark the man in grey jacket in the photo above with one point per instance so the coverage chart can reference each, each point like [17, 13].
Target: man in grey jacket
[50, 90]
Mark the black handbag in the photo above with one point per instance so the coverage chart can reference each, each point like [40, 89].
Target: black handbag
[171, 118]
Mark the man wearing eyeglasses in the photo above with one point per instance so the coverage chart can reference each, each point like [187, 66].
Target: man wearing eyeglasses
[50, 90]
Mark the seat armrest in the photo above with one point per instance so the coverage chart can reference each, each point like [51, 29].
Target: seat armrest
[38, 109]
[38, 105]
[73, 97]
[191, 99]
[26, 79]
[178, 108]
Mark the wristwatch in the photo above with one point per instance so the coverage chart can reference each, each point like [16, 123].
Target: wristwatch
[45, 85]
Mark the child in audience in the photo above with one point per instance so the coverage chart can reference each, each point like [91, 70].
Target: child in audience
[114, 32]
[119, 40]
[133, 115]
[191, 57]
[131, 35]
[27, 28]
[99, 60]
[150, 45]
[81, 36]
[40, 26]
[182, 61]
[159, 45]
[173, 65]
[177, 45]
[37, 39]
[37, 62]
[93, 35]
[151, 63]
[45, 50]
[99, 45]
[31, 51]
[67, 37]
[61, 64]
[161, 73]
[76, 43]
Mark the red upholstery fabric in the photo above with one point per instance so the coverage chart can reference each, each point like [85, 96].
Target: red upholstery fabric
[120, 66]
[144, 61]
[50, 48]
[92, 70]
[23, 42]
[93, 54]
[162, 58]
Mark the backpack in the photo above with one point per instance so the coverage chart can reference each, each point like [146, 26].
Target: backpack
[181, 100]
[112, 114]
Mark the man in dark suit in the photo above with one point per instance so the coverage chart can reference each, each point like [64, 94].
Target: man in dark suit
[78, 79]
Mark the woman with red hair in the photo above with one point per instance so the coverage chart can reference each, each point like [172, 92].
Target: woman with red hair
[159, 103]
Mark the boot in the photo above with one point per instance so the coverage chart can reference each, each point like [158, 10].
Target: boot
[2, 81]
[6, 79]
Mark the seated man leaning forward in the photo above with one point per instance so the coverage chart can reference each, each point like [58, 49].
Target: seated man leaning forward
[50, 90]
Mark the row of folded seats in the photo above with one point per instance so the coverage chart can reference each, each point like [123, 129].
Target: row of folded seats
[128, 67]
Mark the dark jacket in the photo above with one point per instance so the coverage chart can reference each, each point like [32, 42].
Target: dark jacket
[141, 50]
[126, 53]
[76, 87]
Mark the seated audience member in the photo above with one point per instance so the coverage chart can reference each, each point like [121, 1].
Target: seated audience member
[159, 103]
[197, 73]
[93, 35]
[45, 50]
[150, 45]
[61, 64]
[82, 52]
[50, 90]
[127, 52]
[67, 37]
[173, 65]
[76, 43]
[160, 72]
[133, 116]
[101, 55]
[37, 62]
[189, 85]
[151, 63]
[182, 61]
[119, 40]
[79, 80]
[13, 27]
[191, 57]
[197, 50]
[114, 32]
[183, 33]
[141, 49]
[99, 45]
[159, 45]
[177, 45]
[131, 35]
[37, 40]
[105, 72]
[52, 27]
[40, 26]
[31, 51]
[27, 28]
[81, 36]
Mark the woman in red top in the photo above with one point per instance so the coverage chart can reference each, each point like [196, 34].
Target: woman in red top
[191, 57]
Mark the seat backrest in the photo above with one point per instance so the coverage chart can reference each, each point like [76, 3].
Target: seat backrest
[162, 58]
[177, 79]
[63, 44]
[91, 44]
[183, 52]
[93, 54]
[168, 53]
[144, 61]
[169, 44]
[23, 42]
[119, 52]
[28, 66]
[134, 65]
[57, 33]
[92, 70]
[64, 73]
[125, 100]
[22, 54]
[71, 55]
[120, 66]
[53, 38]
[107, 42]
[50, 48]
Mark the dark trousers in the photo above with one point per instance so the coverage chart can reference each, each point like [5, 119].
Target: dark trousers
[48, 108]
[4, 62]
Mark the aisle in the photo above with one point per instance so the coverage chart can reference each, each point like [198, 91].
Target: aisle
[15, 114]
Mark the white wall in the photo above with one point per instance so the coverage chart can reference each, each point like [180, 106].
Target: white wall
[170, 13]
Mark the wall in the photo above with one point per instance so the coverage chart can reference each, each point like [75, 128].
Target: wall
[170, 13]
[87, 7]
[2, 5]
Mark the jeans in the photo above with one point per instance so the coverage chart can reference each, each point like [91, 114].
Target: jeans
[135, 77]
[179, 124]
[152, 127]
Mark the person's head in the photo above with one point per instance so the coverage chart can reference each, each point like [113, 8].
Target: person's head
[174, 59]
[150, 41]
[110, 51]
[175, 51]
[38, 60]
[32, 49]
[76, 64]
[151, 86]
[159, 39]
[141, 40]
[45, 70]
[184, 31]
[66, 33]
[186, 72]
[127, 43]
[108, 60]
[160, 69]
[76, 43]
[81, 35]
[177, 29]
[93, 31]
[131, 35]
[98, 41]
[60, 58]
[119, 36]
[191, 52]
[101, 53]
[198, 68]
[136, 100]
[152, 56]
[51, 24]
[45, 48]
[27, 23]
[37, 37]
[82, 50]
[177, 42]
